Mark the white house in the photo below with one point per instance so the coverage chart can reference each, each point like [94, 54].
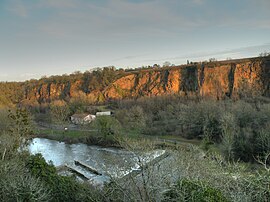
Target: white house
[82, 118]
[106, 113]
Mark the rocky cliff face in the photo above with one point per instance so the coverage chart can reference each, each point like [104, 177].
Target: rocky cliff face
[233, 79]
[239, 78]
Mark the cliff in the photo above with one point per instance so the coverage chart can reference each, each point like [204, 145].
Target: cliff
[232, 79]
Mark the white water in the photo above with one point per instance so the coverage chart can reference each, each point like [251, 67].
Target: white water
[109, 161]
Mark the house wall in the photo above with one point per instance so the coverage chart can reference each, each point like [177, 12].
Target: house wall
[88, 119]
[108, 113]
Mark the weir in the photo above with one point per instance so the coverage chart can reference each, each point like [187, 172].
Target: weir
[145, 166]
[77, 172]
[89, 168]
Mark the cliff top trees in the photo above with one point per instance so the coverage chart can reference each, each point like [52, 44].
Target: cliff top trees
[264, 54]
[167, 64]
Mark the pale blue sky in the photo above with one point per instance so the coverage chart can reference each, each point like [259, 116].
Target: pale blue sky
[48, 37]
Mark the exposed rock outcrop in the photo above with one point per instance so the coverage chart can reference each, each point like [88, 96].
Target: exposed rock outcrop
[232, 78]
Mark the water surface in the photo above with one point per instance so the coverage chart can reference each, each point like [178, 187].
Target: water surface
[109, 161]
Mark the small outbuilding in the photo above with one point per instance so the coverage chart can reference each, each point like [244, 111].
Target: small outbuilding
[82, 118]
[106, 113]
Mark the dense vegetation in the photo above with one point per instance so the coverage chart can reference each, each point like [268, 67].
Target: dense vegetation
[11, 93]
[230, 130]
[230, 164]
[30, 178]
[188, 190]
[240, 128]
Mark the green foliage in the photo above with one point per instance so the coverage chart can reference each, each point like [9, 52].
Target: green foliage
[206, 144]
[229, 131]
[16, 131]
[197, 191]
[18, 185]
[241, 128]
[262, 141]
[11, 93]
[235, 180]
[98, 79]
[63, 188]
[22, 123]
[39, 167]
[5, 122]
[259, 186]
[108, 127]
[246, 136]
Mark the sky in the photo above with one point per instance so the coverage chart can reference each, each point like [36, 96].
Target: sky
[53, 37]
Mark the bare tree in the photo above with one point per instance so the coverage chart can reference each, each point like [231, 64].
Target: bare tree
[264, 161]
[212, 59]
[59, 111]
[264, 54]
[166, 64]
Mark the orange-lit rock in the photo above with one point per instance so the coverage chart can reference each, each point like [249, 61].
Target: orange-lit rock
[234, 78]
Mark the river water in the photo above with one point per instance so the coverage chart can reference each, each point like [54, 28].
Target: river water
[109, 161]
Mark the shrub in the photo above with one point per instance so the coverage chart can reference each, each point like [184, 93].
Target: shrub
[197, 191]
[18, 185]
[243, 145]
[108, 127]
[133, 118]
[240, 127]
[63, 188]
[262, 142]
[259, 186]
[229, 131]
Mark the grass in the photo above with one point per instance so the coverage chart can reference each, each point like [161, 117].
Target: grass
[68, 133]
[91, 137]
[164, 141]
[76, 136]
[180, 139]
[102, 107]
[69, 136]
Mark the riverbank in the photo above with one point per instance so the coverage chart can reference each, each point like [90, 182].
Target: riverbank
[91, 137]
[77, 136]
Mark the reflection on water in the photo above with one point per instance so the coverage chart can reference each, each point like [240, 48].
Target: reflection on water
[111, 161]
[108, 161]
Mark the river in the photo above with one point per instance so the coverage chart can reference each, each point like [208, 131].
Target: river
[109, 161]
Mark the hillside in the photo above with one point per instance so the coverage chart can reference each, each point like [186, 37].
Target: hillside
[220, 79]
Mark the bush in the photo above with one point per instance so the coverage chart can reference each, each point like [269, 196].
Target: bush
[133, 118]
[18, 185]
[229, 130]
[262, 142]
[63, 188]
[259, 186]
[108, 127]
[197, 191]
[241, 128]
[243, 145]
[15, 132]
